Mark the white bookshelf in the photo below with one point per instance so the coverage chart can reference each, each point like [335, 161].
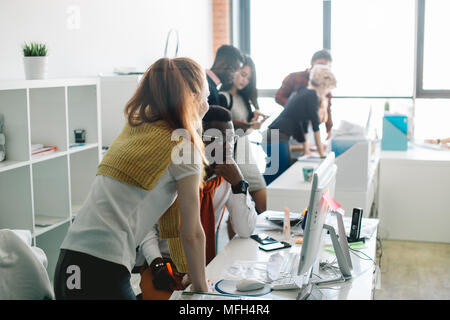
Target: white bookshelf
[43, 194]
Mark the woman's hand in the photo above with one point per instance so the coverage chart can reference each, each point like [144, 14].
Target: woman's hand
[257, 114]
[255, 125]
[186, 281]
[209, 285]
[257, 119]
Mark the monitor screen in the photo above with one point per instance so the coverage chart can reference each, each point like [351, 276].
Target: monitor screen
[324, 180]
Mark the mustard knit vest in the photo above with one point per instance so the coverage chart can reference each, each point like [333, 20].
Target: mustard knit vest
[139, 156]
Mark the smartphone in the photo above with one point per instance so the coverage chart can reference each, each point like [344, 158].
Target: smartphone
[263, 238]
[275, 246]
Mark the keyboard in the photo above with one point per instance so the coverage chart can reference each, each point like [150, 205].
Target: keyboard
[288, 278]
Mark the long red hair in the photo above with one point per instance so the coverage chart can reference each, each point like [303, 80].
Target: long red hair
[170, 90]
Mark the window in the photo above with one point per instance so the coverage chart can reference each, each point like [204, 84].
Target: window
[372, 43]
[356, 110]
[284, 36]
[431, 119]
[436, 65]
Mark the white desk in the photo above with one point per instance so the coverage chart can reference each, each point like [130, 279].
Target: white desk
[360, 287]
[290, 190]
[414, 188]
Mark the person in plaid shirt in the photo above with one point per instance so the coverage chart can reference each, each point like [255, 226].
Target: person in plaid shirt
[297, 80]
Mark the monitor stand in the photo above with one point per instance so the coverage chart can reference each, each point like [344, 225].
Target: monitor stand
[340, 246]
[305, 292]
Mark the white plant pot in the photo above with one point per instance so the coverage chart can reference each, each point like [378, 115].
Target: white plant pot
[35, 67]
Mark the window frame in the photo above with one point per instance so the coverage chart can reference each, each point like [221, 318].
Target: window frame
[241, 23]
[420, 37]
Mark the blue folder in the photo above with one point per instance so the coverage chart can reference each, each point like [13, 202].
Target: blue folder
[395, 133]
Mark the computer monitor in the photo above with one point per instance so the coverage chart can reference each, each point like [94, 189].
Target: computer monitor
[324, 180]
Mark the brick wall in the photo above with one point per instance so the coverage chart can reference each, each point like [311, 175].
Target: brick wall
[221, 24]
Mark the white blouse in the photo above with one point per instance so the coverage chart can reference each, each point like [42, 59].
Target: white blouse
[239, 109]
[117, 216]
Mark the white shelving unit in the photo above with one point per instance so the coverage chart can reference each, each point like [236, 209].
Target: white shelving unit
[43, 194]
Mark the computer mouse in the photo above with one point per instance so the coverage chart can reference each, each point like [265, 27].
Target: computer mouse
[249, 285]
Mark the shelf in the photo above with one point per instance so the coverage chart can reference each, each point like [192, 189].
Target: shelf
[16, 207]
[43, 193]
[48, 117]
[57, 154]
[51, 188]
[50, 241]
[13, 107]
[11, 164]
[43, 224]
[82, 113]
[47, 83]
[86, 146]
[49, 156]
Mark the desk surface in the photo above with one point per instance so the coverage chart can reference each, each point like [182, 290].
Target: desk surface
[290, 190]
[360, 287]
[418, 153]
[292, 178]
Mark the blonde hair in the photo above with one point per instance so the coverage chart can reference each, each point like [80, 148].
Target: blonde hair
[321, 76]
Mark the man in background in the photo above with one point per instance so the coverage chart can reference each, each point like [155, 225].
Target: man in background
[297, 80]
[227, 62]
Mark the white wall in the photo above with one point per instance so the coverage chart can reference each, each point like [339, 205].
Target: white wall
[111, 33]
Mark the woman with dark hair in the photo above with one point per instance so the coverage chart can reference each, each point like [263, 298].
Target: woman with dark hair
[141, 182]
[242, 100]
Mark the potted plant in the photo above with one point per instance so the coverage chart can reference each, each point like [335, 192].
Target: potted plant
[35, 60]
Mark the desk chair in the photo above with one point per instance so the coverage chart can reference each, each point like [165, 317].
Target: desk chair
[22, 270]
[283, 160]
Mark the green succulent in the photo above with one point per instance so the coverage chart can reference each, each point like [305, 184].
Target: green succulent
[34, 49]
